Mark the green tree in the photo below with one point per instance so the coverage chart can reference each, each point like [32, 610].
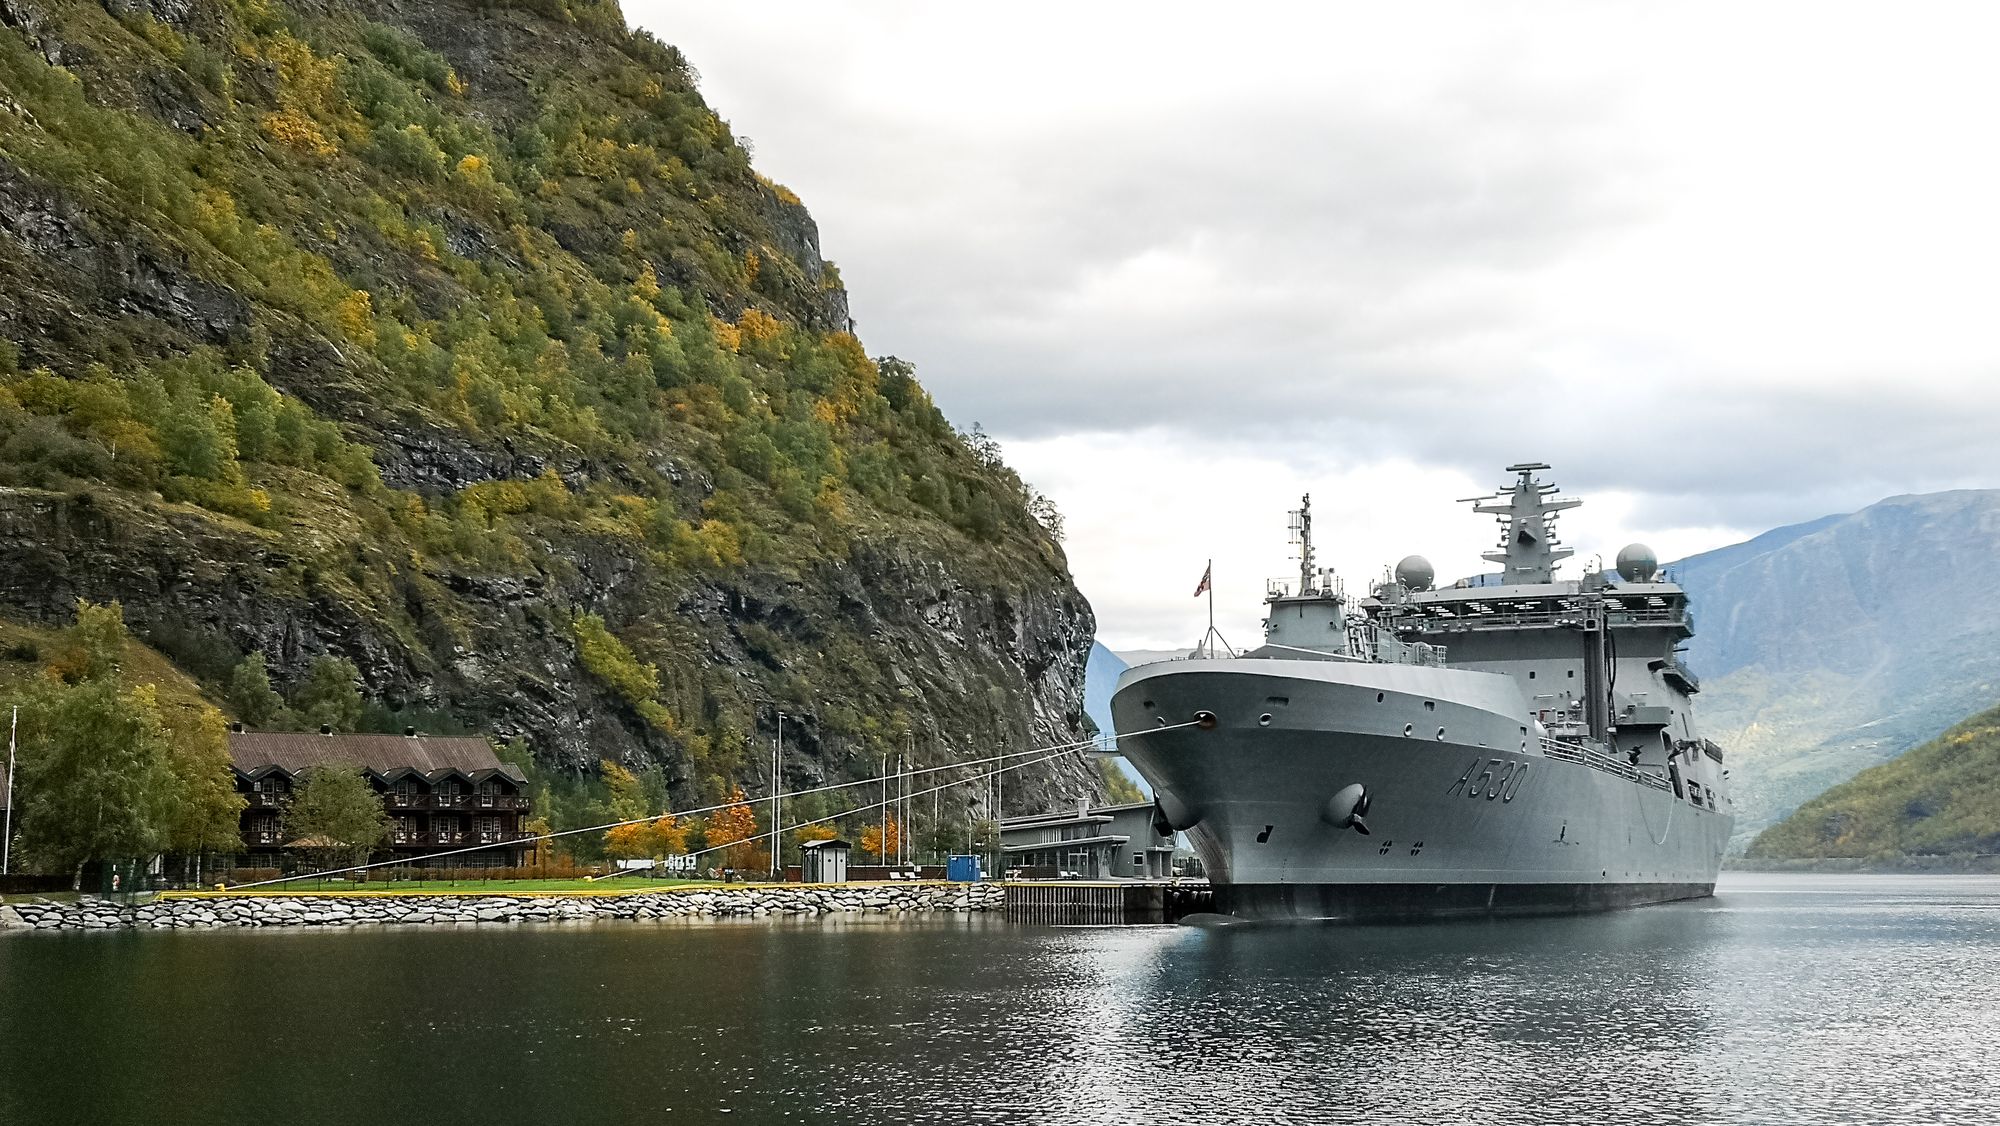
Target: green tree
[1120, 789]
[94, 647]
[627, 793]
[336, 814]
[329, 695]
[203, 813]
[95, 771]
[250, 694]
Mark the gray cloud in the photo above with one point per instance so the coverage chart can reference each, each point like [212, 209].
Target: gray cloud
[1514, 257]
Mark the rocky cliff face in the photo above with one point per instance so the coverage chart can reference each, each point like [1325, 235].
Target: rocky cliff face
[1829, 647]
[417, 333]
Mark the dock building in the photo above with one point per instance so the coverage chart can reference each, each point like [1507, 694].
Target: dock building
[1100, 842]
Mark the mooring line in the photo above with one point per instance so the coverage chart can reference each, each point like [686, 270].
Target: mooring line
[1049, 752]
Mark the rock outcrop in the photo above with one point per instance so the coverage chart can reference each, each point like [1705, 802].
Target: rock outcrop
[414, 332]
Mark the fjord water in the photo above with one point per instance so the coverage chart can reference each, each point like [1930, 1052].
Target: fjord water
[1783, 999]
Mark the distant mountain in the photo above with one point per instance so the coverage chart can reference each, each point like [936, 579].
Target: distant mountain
[1939, 800]
[1148, 656]
[1100, 677]
[1831, 646]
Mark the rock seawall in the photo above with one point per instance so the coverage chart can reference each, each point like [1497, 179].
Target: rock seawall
[205, 911]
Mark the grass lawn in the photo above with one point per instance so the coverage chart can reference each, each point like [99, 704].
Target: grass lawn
[609, 885]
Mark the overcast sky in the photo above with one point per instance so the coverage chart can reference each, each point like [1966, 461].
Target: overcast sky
[1726, 267]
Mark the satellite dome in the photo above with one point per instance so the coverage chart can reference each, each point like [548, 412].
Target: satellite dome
[1637, 563]
[1415, 572]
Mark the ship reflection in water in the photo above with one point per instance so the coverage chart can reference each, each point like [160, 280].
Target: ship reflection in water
[1783, 999]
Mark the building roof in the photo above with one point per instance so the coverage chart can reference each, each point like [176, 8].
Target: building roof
[1049, 820]
[830, 843]
[430, 755]
[1057, 846]
[1069, 817]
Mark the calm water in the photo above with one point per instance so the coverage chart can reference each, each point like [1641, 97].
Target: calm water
[1785, 999]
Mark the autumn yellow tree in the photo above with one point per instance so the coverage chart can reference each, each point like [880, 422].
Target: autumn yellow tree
[872, 839]
[669, 835]
[735, 826]
[629, 842]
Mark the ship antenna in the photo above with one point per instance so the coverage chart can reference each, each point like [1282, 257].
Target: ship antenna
[1302, 534]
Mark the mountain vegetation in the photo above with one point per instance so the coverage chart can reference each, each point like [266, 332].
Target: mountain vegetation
[1829, 647]
[1937, 803]
[448, 363]
[112, 765]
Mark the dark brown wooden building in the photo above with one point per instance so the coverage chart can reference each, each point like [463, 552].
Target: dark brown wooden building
[441, 794]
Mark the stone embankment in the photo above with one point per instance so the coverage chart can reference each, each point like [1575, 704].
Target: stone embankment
[222, 910]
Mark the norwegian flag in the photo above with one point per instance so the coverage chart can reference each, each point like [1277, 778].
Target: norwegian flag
[1199, 590]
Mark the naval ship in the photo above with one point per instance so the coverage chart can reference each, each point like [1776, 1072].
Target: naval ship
[1512, 744]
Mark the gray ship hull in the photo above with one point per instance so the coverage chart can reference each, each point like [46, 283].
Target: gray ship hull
[1471, 810]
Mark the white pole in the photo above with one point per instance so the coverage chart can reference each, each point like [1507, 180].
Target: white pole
[882, 846]
[777, 787]
[7, 834]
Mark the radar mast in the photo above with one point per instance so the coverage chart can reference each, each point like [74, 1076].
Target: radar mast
[1529, 550]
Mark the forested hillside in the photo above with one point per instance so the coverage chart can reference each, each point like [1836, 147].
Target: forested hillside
[463, 342]
[1939, 801]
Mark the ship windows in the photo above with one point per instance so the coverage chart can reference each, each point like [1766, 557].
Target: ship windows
[1265, 836]
[1440, 734]
[1264, 720]
[1430, 705]
[1378, 697]
[1572, 674]
[1281, 701]
[1409, 729]
[1531, 674]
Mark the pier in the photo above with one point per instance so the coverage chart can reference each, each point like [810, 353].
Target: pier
[1075, 902]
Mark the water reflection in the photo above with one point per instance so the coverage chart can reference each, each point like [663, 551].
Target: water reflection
[1783, 1000]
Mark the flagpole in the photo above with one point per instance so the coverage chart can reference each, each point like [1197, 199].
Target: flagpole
[1210, 575]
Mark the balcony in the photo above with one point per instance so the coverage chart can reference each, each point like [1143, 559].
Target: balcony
[456, 838]
[453, 801]
[267, 799]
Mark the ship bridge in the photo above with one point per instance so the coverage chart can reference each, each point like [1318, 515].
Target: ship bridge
[1594, 654]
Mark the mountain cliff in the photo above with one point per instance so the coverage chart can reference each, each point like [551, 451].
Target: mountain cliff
[462, 340]
[1831, 646]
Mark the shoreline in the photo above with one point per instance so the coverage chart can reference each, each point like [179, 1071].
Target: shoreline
[207, 910]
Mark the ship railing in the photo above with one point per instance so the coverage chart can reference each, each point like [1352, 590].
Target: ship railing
[1565, 751]
[1434, 617]
[1375, 644]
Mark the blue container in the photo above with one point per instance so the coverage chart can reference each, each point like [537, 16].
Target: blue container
[962, 869]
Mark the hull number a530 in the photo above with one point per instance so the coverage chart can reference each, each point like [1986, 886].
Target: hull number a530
[1491, 778]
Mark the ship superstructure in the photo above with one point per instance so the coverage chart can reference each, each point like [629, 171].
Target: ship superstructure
[1513, 743]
